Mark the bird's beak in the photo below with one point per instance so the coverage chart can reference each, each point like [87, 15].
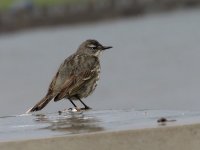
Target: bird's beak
[106, 47]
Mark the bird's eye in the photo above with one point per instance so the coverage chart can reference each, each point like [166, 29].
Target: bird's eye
[92, 46]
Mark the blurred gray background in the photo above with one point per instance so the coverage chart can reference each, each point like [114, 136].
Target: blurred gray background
[154, 63]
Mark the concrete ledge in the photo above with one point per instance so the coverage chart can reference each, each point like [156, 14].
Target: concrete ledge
[183, 137]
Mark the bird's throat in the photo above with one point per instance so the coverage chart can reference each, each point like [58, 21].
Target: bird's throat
[98, 54]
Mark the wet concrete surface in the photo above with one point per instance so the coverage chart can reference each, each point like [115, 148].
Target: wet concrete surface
[34, 126]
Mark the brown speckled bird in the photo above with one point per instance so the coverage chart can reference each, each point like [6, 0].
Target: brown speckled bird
[76, 77]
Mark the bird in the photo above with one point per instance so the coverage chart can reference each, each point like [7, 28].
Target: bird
[76, 77]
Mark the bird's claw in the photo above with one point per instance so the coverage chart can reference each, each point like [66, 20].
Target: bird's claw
[85, 108]
[75, 109]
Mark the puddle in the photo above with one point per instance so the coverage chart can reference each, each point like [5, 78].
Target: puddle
[48, 125]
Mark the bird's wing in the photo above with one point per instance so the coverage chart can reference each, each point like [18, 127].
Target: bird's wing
[83, 70]
[74, 83]
[62, 75]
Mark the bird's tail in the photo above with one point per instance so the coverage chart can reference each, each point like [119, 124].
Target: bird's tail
[41, 104]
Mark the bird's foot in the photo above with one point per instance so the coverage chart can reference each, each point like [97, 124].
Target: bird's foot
[69, 110]
[86, 108]
[75, 109]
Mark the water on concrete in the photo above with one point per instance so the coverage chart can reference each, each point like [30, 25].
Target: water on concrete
[30, 126]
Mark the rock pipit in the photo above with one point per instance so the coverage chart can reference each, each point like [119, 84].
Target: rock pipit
[77, 76]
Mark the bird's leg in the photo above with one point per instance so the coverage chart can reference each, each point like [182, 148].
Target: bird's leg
[73, 103]
[76, 108]
[85, 106]
[71, 109]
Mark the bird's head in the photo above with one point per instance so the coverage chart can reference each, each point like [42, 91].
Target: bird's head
[92, 47]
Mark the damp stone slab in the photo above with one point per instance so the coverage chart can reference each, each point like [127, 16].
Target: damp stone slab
[102, 129]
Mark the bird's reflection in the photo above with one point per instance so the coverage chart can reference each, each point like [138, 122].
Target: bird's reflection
[73, 123]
